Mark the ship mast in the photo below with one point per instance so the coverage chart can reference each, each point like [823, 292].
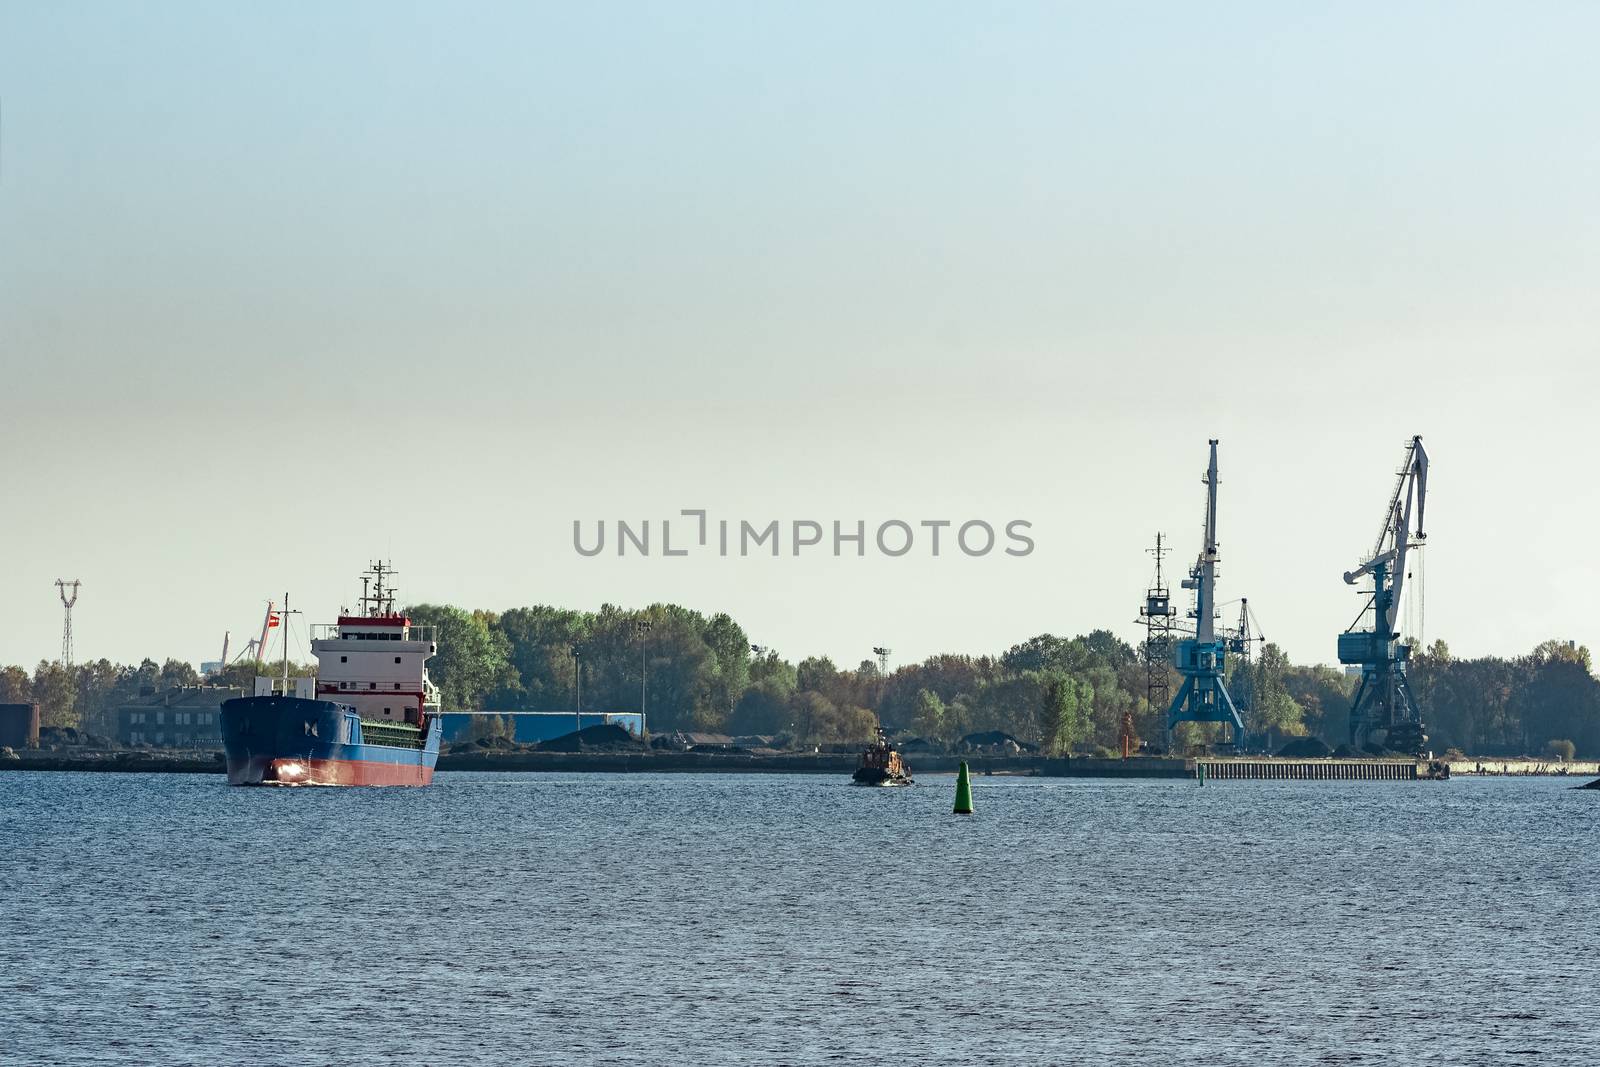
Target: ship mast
[286, 613]
[377, 598]
[286, 643]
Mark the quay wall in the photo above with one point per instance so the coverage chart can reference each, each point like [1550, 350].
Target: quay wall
[1524, 766]
[1384, 770]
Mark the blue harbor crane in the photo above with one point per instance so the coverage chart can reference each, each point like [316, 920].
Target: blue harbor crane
[1384, 710]
[1203, 697]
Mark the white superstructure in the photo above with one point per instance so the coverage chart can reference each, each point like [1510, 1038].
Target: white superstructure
[377, 660]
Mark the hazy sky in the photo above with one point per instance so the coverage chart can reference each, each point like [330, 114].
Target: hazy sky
[283, 287]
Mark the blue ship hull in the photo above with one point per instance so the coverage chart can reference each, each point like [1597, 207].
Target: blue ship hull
[278, 740]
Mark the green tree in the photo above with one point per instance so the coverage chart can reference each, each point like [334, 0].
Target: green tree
[177, 673]
[1272, 708]
[1554, 651]
[242, 674]
[813, 716]
[1561, 750]
[769, 666]
[929, 718]
[1323, 694]
[539, 642]
[681, 673]
[730, 661]
[1108, 703]
[56, 692]
[1555, 697]
[101, 685]
[1066, 711]
[816, 674]
[763, 708]
[472, 657]
[15, 686]
[490, 727]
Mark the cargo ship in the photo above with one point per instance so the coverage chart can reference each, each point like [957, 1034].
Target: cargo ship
[880, 764]
[369, 717]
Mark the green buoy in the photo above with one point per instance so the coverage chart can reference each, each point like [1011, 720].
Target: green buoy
[963, 791]
[1201, 767]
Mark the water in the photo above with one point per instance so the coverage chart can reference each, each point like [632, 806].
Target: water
[718, 919]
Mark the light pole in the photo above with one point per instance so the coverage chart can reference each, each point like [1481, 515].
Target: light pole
[882, 652]
[641, 629]
[577, 687]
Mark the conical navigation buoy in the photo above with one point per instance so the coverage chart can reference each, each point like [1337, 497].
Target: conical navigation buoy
[963, 791]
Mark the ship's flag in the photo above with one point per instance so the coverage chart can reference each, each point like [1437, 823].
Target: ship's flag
[272, 620]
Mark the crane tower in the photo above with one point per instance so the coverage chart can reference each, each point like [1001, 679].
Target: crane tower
[1383, 704]
[1203, 696]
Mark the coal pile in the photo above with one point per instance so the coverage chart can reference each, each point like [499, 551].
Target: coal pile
[994, 741]
[606, 737]
[1305, 748]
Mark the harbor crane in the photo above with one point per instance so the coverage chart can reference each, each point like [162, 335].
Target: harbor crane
[1383, 704]
[256, 647]
[1203, 696]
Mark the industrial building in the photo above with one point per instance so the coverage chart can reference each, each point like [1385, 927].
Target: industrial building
[531, 727]
[19, 725]
[185, 717]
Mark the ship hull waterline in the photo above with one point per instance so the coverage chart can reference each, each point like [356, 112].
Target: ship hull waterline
[293, 741]
[293, 771]
[880, 780]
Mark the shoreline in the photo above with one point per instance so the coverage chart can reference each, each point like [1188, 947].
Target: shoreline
[657, 762]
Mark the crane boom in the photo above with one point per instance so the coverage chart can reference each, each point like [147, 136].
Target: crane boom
[1395, 540]
[1384, 701]
[266, 624]
[1206, 566]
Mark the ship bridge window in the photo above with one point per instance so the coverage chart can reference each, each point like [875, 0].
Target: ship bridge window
[344, 659]
[397, 659]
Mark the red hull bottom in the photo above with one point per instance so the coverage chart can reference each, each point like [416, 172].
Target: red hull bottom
[265, 770]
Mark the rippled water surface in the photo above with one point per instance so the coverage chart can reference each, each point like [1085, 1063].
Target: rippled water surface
[720, 919]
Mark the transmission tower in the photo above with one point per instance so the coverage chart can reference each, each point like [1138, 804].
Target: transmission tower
[1158, 621]
[67, 600]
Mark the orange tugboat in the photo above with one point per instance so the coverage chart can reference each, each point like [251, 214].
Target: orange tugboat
[881, 764]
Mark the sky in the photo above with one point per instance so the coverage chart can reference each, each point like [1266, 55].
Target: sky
[285, 288]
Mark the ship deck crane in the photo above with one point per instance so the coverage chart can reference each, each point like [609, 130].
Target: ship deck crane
[1203, 697]
[1383, 704]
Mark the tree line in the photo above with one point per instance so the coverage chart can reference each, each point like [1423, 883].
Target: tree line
[1065, 694]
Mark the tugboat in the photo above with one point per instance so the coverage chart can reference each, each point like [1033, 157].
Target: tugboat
[370, 717]
[881, 764]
